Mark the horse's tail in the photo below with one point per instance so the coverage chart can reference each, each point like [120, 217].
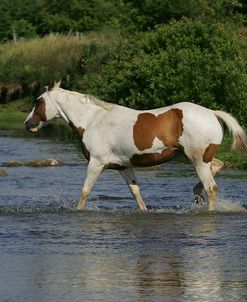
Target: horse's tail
[238, 134]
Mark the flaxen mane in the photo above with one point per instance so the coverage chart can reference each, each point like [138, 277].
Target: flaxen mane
[83, 98]
[89, 99]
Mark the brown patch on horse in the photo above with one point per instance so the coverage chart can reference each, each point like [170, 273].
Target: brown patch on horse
[143, 131]
[80, 131]
[151, 159]
[113, 166]
[167, 127]
[210, 152]
[39, 112]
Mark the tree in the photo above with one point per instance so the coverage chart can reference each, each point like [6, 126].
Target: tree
[19, 16]
[64, 16]
[153, 12]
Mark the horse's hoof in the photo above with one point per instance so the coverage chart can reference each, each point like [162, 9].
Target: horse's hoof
[199, 199]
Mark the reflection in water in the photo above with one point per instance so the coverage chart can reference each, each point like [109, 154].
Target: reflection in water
[202, 276]
[206, 260]
[122, 257]
[134, 257]
[159, 277]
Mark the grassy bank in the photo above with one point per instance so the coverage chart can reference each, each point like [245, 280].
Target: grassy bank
[13, 115]
[232, 159]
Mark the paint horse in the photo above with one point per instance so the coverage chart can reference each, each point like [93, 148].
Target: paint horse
[120, 138]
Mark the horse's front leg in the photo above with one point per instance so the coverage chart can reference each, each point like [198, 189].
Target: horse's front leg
[94, 169]
[129, 177]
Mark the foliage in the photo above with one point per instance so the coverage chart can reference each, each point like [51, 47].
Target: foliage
[185, 60]
[41, 17]
[66, 16]
[153, 12]
[19, 16]
[22, 28]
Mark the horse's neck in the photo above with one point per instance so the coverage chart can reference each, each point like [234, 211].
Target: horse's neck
[77, 113]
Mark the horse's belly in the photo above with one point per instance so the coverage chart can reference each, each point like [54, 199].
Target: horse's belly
[155, 155]
[153, 158]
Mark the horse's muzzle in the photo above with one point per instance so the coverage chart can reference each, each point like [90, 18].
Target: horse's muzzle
[31, 127]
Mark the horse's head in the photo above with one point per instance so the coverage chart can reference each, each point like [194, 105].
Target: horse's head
[44, 110]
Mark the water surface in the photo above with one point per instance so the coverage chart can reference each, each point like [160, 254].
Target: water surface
[112, 251]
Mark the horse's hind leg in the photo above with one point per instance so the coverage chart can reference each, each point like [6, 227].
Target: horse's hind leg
[216, 166]
[206, 177]
[129, 176]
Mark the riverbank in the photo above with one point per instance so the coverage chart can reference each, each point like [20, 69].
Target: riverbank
[231, 159]
[13, 115]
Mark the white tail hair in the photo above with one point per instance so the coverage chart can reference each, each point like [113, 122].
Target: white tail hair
[237, 132]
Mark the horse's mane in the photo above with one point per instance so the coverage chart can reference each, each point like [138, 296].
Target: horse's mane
[82, 98]
[89, 99]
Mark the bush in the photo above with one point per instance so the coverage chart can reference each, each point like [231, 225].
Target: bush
[185, 60]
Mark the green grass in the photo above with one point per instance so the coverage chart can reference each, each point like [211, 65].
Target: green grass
[44, 59]
[13, 115]
[232, 159]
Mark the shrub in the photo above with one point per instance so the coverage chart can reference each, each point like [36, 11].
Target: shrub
[185, 60]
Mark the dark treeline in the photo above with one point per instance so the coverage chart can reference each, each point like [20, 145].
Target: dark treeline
[139, 53]
[28, 19]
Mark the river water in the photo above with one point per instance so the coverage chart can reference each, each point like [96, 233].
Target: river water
[111, 251]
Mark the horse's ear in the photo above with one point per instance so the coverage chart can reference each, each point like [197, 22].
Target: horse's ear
[51, 86]
[58, 83]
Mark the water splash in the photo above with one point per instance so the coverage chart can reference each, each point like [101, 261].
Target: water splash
[225, 205]
[34, 208]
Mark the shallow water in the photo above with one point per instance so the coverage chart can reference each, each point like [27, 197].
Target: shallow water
[112, 251]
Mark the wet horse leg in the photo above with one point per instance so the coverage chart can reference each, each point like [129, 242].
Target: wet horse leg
[93, 171]
[129, 176]
[216, 166]
[206, 177]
